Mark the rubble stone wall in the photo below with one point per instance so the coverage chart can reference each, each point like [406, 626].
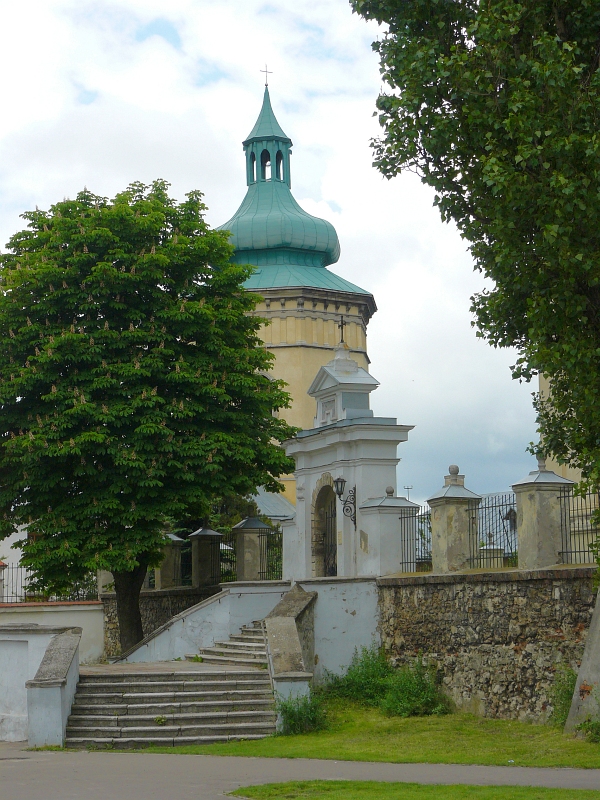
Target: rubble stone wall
[496, 638]
[157, 606]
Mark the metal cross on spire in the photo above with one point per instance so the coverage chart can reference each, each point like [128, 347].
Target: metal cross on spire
[341, 325]
[267, 73]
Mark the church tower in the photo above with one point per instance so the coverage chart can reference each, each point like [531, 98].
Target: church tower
[303, 301]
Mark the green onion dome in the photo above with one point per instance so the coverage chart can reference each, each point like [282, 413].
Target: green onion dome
[270, 228]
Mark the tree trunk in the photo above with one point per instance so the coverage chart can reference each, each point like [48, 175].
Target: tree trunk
[127, 589]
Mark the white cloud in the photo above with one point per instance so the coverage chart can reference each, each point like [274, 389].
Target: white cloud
[104, 93]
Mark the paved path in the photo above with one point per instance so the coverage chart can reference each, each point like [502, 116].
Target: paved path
[141, 776]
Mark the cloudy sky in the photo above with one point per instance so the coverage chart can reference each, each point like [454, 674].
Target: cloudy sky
[100, 94]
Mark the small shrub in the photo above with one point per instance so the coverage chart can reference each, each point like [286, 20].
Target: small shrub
[411, 691]
[301, 714]
[365, 678]
[371, 680]
[591, 729]
[561, 694]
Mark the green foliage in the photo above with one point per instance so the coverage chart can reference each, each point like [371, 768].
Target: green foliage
[406, 691]
[378, 790]
[561, 694]
[412, 691]
[132, 381]
[591, 729]
[357, 732]
[366, 678]
[301, 714]
[496, 105]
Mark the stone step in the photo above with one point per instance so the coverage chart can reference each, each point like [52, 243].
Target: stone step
[195, 676]
[240, 637]
[262, 691]
[150, 721]
[209, 658]
[248, 647]
[253, 647]
[172, 686]
[125, 743]
[137, 709]
[232, 652]
[120, 709]
[174, 731]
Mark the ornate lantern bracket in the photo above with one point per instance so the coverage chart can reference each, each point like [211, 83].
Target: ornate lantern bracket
[349, 506]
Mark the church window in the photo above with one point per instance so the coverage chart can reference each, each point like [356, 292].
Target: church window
[279, 166]
[265, 165]
[252, 167]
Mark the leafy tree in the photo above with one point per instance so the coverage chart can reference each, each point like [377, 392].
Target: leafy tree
[496, 104]
[132, 385]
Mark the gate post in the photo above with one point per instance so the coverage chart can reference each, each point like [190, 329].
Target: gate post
[539, 517]
[250, 552]
[452, 512]
[206, 562]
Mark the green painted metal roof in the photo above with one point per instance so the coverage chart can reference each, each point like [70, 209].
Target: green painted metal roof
[266, 126]
[284, 275]
[271, 228]
[288, 246]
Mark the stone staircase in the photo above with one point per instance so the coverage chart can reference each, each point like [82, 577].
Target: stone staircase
[246, 649]
[128, 708]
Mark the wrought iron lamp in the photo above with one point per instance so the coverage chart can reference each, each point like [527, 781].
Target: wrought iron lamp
[349, 504]
[339, 484]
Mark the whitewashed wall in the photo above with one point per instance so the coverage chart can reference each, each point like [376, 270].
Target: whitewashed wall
[89, 616]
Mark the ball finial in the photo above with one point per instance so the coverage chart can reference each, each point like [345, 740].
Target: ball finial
[389, 490]
[453, 469]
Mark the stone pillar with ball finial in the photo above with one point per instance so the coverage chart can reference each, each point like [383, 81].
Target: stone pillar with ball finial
[539, 528]
[453, 516]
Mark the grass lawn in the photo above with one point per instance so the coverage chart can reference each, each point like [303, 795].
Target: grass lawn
[372, 790]
[356, 733]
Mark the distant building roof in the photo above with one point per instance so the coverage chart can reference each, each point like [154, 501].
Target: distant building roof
[274, 506]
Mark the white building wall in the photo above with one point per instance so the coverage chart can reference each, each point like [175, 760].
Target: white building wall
[89, 616]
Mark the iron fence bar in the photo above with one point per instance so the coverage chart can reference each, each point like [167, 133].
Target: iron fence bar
[228, 557]
[271, 555]
[493, 540]
[14, 582]
[579, 529]
[415, 540]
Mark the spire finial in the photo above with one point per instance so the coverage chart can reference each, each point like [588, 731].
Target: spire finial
[341, 325]
[267, 73]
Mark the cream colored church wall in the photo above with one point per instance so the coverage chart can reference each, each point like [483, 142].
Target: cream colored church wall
[297, 366]
[302, 335]
[560, 469]
[303, 341]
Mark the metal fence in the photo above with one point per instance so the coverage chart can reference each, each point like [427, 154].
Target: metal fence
[493, 541]
[228, 552]
[415, 540]
[271, 555]
[578, 528]
[14, 588]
